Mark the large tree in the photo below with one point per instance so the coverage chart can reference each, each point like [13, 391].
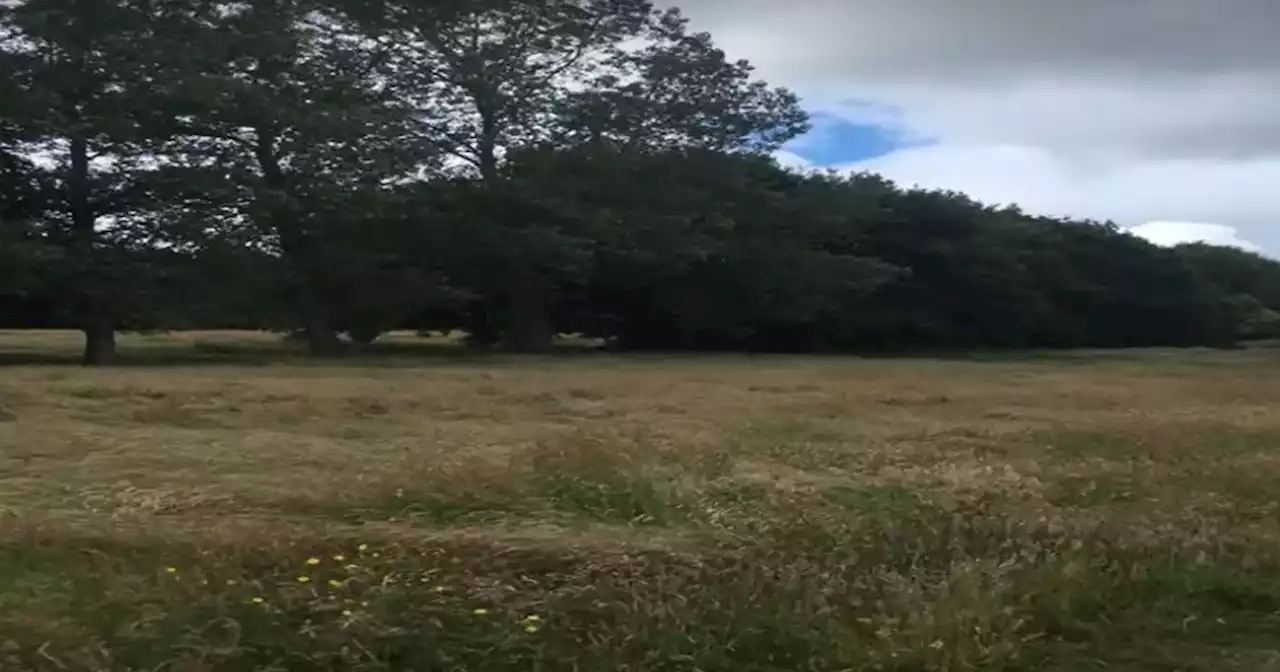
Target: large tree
[495, 79]
[717, 251]
[1237, 271]
[287, 133]
[78, 77]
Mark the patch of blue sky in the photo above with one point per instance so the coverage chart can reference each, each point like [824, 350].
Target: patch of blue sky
[835, 140]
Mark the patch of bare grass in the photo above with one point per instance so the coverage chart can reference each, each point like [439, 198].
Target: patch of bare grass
[639, 513]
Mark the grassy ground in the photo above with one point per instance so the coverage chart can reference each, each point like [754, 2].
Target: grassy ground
[242, 509]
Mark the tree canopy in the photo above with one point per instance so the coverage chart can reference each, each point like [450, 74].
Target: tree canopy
[513, 169]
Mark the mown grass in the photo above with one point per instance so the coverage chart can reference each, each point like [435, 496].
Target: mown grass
[637, 513]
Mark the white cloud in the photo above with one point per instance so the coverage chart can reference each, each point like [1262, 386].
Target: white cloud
[1045, 186]
[1133, 194]
[1174, 233]
[792, 160]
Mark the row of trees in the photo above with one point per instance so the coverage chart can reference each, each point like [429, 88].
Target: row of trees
[514, 169]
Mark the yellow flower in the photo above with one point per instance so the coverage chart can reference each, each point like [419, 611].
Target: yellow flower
[362, 547]
[258, 600]
[439, 589]
[171, 570]
[335, 583]
[480, 612]
[530, 628]
[377, 555]
[339, 557]
[313, 561]
[532, 618]
[351, 568]
[304, 579]
[231, 582]
[346, 612]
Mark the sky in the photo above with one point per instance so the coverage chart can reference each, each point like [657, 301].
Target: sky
[1160, 115]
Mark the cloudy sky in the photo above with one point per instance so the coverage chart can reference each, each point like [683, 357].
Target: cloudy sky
[1162, 115]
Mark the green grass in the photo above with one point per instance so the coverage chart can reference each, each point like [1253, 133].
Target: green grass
[699, 514]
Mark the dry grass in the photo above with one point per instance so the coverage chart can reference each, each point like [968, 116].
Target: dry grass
[1076, 512]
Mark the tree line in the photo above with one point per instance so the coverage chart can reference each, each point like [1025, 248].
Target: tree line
[513, 169]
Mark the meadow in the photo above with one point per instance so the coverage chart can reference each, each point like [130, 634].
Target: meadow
[223, 503]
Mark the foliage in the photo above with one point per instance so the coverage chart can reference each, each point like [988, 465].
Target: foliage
[22, 250]
[514, 169]
[1250, 280]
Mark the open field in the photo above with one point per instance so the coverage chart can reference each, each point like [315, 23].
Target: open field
[242, 509]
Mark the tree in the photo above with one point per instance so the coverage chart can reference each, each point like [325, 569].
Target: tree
[1236, 271]
[501, 78]
[487, 76]
[718, 251]
[678, 91]
[78, 81]
[284, 127]
[1109, 288]
[487, 79]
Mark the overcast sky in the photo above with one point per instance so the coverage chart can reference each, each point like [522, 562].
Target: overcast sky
[1163, 115]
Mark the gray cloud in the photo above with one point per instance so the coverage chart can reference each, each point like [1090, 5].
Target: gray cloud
[1224, 116]
[985, 40]
[1137, 110]
[1177, 78]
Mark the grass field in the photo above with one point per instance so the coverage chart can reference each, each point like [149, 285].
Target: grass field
[227, 505]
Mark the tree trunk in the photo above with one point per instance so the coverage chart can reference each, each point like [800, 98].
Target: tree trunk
[99, 329]
[322, 339]
[529, 328]
[99, 343]
[487, 144]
